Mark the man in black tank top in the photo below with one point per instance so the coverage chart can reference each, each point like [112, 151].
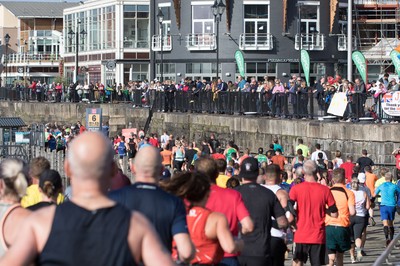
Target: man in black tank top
[91, 229]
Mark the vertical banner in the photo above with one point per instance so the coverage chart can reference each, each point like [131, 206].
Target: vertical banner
[93, 119]
[240, 62]
[305, 63]
[394, 55]
[361, 64]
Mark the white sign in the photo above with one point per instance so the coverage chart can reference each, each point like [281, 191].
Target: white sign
[390, 103]
[338, 104]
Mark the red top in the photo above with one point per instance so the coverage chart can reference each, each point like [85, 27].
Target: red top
[228, 202]
[279, 160]
[217, 156]
[398, 161]
[348, 170]
[154, 142]
[312, 200]
[82, 129]
[208, 251]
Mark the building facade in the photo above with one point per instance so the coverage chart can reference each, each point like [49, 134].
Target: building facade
[266, 31]
[35, 41]
[116, 46]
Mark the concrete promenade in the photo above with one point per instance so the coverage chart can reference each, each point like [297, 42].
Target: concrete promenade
[374, 246]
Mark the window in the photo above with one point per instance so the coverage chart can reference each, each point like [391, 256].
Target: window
[309, 17]
[202, 19]
[136, 26]
[256, 24]
[166, 24]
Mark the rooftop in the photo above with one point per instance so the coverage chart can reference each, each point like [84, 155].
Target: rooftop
[37, 9]
[11, 122]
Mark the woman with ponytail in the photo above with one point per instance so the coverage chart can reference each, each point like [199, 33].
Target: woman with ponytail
[13, 184]
[50, 185]
[208, 230]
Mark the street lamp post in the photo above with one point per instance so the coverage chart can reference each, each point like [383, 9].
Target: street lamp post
[218, 9]
[160, 17]
[71, 35]
[7, 40]
[299, 5]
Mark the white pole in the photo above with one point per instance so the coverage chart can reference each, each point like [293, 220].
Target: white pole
[349, 40]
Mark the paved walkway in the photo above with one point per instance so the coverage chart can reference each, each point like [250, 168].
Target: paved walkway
[374, 246]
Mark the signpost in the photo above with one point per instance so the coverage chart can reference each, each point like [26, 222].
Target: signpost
[391, 103]
[94, 119]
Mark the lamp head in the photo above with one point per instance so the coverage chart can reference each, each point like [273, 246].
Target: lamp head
[7, 38]
[160, 16]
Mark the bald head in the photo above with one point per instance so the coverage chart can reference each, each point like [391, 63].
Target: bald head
[147, 163]
[90, 156]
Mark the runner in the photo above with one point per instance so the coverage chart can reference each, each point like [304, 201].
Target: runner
[278, 236]
[262, 205]
[388, 192]
[226, 201]
[209, 230]
[313, 202]
[166, 212]
[338, 229]
[359, 222]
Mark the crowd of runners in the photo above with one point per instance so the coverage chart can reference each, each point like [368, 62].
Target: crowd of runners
[194, 203]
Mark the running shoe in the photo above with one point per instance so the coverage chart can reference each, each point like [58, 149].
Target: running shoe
[353, 260]
[359, 255]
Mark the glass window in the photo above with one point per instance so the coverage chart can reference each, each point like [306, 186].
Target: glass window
[202, 19]
[309, 12]
[251, 68]
[256, 24]
[136, 26]
[309, 19]
[256, 11]
[271, 68]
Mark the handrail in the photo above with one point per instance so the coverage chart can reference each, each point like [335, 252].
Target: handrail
[383, 258]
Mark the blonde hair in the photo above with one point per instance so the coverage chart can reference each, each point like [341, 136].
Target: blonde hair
[13, 173]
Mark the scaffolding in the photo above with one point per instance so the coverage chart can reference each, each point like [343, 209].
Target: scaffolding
[376, 28]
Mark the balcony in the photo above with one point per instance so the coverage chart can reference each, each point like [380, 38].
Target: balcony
[310, 42]
[376, 2]
[25, 58]
[156, 43]
[342, 42]
[201, 42]
[251, 41]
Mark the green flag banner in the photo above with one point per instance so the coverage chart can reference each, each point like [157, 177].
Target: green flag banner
[394, 55]
[305, 63]
[361, 64]
[240, 62]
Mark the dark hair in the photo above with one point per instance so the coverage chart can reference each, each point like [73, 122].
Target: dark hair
[320, 155]
[208, 167]
[260, 150]
[368, 169]
[272, 171]
[364, 152]
[299, 152]
[50, 183]
[192, 187]
[318, 146]
[300, 141]
[233, 182]
[221, 165]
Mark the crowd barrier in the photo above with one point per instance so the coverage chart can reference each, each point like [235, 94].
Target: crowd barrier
[284, 105]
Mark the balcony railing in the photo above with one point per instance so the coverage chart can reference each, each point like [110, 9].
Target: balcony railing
[251, 41]
[156, 43]
[342, 42]
[375, 2]
[201, 42]
[132, 44]
[23, 58]
[311, 42]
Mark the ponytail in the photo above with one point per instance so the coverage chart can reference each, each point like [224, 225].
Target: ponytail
[20, 184]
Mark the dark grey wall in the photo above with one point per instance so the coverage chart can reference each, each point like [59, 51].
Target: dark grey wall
[283, 45]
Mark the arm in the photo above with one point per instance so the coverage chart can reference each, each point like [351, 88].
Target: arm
[185, 247]
[247, 225]
[351, 204]
[367, 201]
[224, 236]
[144, 243]
[283, 198]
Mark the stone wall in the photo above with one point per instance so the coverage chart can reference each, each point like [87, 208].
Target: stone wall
[252, 132]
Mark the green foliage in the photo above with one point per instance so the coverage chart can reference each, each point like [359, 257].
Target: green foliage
[60, 79]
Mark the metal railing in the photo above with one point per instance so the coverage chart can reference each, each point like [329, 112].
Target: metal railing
[375, 2]
[24, 58]
[311, 42]
[201, 41]
[306, 104]
[342, 42]
[260, 41]
[385, 256]
[132, 44]
[156, 43]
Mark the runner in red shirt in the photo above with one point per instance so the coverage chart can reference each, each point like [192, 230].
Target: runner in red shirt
[312, 201]
[396, 154]
[348, 168]
[226, 201]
